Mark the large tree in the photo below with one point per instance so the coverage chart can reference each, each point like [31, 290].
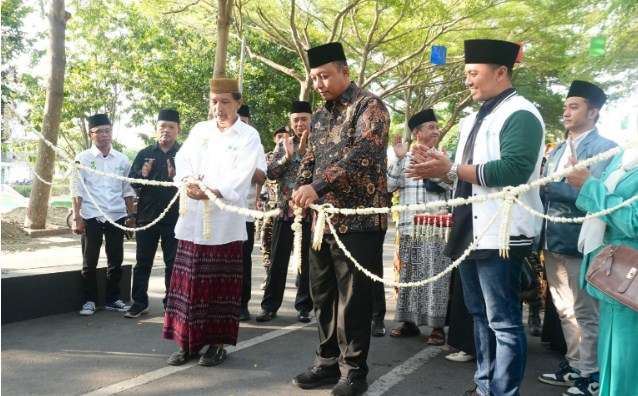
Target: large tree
[45, 164]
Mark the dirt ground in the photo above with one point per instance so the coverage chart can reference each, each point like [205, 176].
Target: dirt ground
[13, 232]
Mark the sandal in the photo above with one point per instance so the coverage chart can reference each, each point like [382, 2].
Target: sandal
[407, 329]
[437, 337]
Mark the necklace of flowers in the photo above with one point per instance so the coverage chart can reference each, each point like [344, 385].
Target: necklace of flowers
[134, 229]
[422, 282]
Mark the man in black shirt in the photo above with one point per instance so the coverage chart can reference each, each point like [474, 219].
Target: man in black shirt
[155, 162]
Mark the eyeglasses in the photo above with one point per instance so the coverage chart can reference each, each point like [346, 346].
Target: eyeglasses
[104, 131]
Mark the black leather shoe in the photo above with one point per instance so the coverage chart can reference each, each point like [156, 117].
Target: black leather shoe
[266, 316]
[317, 376]
[244, 315]
[378, 328]
[304, 317]
[179, 358]
[213, 356]
[349, 387]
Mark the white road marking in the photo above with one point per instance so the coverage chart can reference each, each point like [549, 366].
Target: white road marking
[169, 370]
[399, 373]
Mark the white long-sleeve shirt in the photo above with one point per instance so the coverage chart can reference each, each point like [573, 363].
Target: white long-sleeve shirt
[109, 193]
[227, 161]
[252, 192]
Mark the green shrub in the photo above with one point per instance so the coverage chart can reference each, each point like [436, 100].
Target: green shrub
[22, 189]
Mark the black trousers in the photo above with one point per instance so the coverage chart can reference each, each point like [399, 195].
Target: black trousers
[94, 233]
[281, 248]
[378, 299]
[246, 282]
[147, 242]
[461, 330]
[343, 300]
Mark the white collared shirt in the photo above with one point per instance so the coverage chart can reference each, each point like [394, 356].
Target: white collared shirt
[108, 192]
[252, 192]
[568, 152]
[226, 161]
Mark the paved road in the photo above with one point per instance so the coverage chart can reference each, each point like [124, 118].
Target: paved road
[107, 354]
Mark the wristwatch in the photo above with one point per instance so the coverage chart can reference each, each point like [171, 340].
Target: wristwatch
[453, 174]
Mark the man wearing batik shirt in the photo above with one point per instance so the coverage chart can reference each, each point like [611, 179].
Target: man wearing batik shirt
[269, 203]
[345, 166]
[283, 168]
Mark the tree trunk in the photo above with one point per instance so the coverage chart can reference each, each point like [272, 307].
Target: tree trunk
[45, 164]
[305, 89]
[223, 29]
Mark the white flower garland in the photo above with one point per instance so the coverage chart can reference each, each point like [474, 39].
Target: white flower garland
[504, 241]
[206, 224]
[324, 212]
[51, 183]
[73, 182]
[577, 219]
[107, 218]
[206, 220]
[423, 282]
[297, 229]
[183, 202]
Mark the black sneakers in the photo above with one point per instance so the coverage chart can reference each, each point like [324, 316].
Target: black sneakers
[349, 387]
[317, 376]
[136, 311]
[378, 328]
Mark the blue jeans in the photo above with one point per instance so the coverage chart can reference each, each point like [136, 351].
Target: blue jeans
[492, 295]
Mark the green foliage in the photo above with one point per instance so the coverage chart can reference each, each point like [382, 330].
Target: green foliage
[56, 189]
[267, 93]
[14, 43]
[22, 189]
[60, 189]
[128, 65]
[13, 37]
[131, 59]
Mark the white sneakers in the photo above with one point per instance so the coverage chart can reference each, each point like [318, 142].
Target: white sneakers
[460, 357]
[88, 308]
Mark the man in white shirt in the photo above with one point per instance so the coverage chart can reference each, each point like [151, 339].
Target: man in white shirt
[259, 177]
[204, 296]
[101, 200]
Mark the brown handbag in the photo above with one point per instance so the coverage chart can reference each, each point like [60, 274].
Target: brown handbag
[614, 271]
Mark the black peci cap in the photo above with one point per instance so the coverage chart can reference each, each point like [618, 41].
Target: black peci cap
[497, 52]
[593, 93]
[421, 117]
[283, 129]
[97, 120]
[244, 111]
[326, 53]
[168, 115]
[300, 107]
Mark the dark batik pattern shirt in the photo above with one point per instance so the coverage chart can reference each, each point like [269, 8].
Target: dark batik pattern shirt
[285, 173]
[346, 160]
[271, 187]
